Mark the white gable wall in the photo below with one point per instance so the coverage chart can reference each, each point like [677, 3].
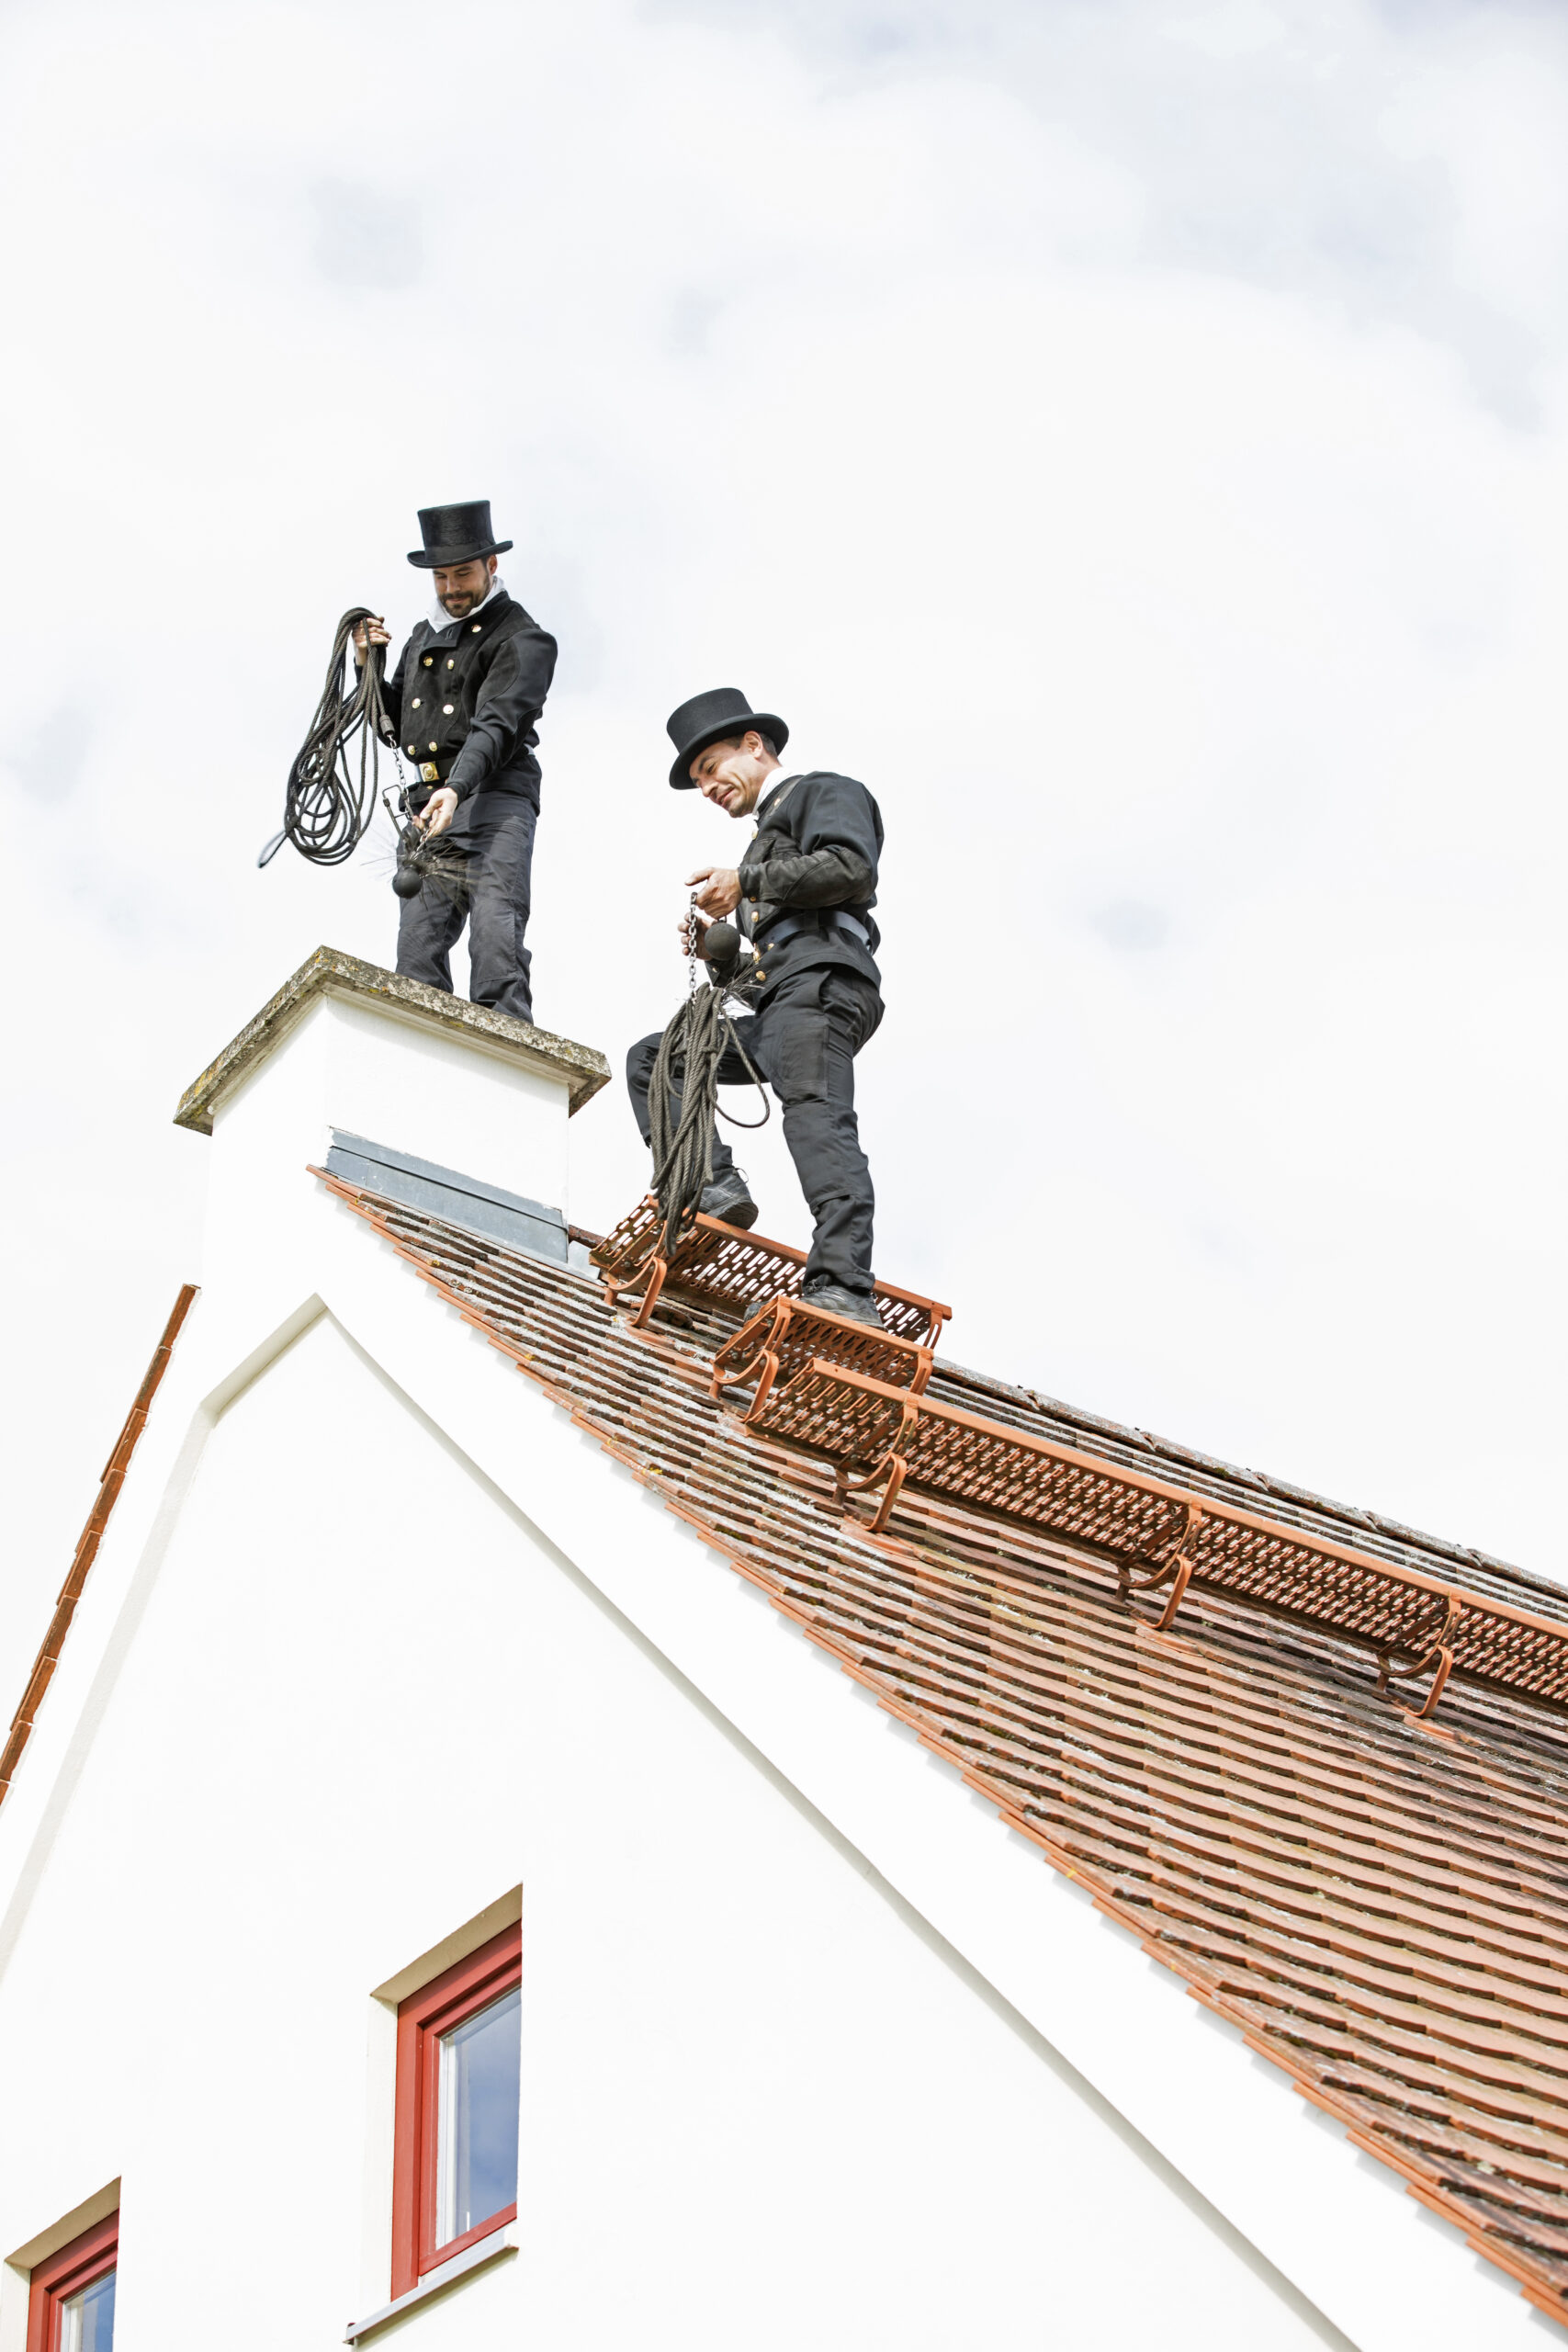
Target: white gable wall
[760, 2105]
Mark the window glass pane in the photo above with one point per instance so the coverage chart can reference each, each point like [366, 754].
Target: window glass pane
[86, 2321]
[477, 2151]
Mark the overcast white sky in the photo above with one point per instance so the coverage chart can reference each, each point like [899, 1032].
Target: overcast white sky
[1132, 437]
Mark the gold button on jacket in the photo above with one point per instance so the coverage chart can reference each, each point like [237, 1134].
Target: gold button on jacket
[506, 661]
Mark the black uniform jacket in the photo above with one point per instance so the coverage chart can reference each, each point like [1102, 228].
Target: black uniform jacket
[816, 848]
[468, 698]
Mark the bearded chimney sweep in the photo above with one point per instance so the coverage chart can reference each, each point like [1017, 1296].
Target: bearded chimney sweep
[466, 697]
[803, 895]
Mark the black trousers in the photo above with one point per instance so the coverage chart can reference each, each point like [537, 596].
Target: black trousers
[804, 1041]
[487, 858]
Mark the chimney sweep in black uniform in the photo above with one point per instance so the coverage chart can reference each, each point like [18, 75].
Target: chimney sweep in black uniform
[466, 698]
[803, 895]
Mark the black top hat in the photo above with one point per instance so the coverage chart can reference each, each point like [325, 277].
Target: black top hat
[456, 534]
[713, 718]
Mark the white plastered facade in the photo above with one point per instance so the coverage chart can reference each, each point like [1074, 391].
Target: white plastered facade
[815, 2051]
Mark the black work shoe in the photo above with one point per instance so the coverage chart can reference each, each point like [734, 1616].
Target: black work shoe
[854, 1306]
[728, 1199]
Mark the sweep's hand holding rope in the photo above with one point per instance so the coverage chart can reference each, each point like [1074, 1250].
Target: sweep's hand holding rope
[326, 809]
[687, 1065]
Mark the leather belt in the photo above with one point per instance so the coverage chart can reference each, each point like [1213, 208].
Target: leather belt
[823, 920]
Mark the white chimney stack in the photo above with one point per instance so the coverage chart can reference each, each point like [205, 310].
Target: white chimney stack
[384, 1081]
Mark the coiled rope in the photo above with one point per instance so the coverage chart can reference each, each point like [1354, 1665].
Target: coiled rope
[326, 812]
[687, 1065]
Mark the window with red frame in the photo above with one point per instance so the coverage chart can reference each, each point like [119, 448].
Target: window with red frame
[455, 2147]
[71, 2307]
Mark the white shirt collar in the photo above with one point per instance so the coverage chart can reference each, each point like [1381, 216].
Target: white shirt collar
[781, 774]
[441, 618]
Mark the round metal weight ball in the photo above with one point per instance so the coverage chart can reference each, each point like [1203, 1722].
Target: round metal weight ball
[721, 942]
[407, 882]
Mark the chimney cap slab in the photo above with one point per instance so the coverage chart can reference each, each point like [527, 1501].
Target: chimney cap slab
[331, 972]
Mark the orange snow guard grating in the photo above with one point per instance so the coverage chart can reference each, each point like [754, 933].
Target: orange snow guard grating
[732, 1269]
[882, 1433]
[856, 1398]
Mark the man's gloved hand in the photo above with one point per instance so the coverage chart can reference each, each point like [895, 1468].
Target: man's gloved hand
[437, 812]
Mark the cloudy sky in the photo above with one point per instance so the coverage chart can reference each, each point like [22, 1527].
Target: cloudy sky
[1133, 436]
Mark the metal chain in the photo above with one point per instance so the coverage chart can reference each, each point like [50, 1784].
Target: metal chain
[692, 937]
